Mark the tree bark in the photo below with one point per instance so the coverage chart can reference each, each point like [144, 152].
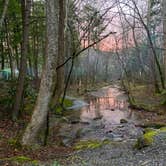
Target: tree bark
[59, 86]
[4, 12]
[10, 49]
[2, 55]
[40, 112]
[26, 6]
[164, 34]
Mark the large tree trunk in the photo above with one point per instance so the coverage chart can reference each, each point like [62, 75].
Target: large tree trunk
[164, 32]
[59, 86]
[46, 87]
[26, 6]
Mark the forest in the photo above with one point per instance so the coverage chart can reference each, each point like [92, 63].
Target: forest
[83, 82]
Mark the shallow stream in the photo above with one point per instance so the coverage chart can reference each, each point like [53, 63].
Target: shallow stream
[104, 115]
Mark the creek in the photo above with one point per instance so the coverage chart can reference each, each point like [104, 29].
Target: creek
[103, 115]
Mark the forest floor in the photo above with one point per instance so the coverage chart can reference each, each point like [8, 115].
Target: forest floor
[95, 153]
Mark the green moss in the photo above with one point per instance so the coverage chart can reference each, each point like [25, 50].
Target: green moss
[67, 102]
[148, 138]
[90, 144]
[21, 160]
[163, 129]
[29, 107]
[14, 142]
[55, 163]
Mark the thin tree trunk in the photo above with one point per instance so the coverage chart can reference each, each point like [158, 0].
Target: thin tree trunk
[10, 50]
[4, 12]
[26, 6]
[40, 112]
[2, 55]
[17, 57]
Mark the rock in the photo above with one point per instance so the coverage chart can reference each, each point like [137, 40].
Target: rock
[74, 120]
[85, 122]
[112, 109]
[110, 135]
[118, 139]
[97, 125]
[97, 118]
[109, 131]
[67, 142]
[82, 132]
[123, 121]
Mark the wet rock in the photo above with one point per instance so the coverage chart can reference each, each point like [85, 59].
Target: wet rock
[67, 142]
[123, 121]
[82, 132]
[115, 137]
[74, 120]
[110, 135]
[97, 118]
[85, 122]
[118, 139]
[109, 131]
[132, 131]
[97, 125]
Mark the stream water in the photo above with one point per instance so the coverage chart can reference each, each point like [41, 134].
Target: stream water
[105, 115]
[110, 104]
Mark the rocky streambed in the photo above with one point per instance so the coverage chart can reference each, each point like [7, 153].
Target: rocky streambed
[104, 131]
[103, 115]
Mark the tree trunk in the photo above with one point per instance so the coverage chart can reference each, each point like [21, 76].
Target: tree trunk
[164, 34]
[26, 6]
[59, 87]
[40, 113]
[2, 55]
[4, 12]
[10, 49]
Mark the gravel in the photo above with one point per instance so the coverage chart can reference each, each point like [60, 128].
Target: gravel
[122, 154]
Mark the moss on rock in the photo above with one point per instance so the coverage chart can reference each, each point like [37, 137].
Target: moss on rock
[66, 103]
[21, 160]
[90, 144]
[148, 138]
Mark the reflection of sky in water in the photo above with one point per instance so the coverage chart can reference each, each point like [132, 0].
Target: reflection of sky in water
[110, 107]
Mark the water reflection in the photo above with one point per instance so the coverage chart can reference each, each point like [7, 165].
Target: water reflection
[112, 106]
